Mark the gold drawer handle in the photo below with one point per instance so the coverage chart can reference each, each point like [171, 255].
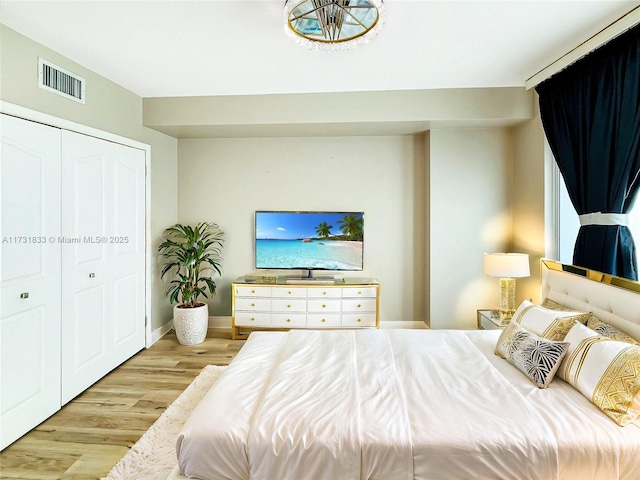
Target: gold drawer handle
[288, 306]
[324, 306]
[323, 320]
[359, 292]
[253, 304]
[324, 293]
[253, 319]
[288, 320]
[253, 291]
[359, 305]
[359, 320]
[289, 292]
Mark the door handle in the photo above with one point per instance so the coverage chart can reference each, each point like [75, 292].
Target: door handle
[24, 295]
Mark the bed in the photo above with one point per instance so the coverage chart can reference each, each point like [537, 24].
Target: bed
[416, 404]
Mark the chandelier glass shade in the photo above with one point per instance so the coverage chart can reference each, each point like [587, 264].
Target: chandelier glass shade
[333, 24]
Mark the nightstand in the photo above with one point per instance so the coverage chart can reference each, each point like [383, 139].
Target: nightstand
[488, 322]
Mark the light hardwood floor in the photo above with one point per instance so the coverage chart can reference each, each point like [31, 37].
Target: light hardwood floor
[92, 432]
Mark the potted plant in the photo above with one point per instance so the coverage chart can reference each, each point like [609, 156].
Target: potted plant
[193, 255]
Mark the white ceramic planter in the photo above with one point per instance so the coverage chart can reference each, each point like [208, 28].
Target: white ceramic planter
[191, 324]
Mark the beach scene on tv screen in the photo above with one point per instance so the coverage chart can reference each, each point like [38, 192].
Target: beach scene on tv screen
[309, 240]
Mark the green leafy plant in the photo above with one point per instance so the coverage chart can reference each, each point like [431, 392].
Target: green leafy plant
[193, 254]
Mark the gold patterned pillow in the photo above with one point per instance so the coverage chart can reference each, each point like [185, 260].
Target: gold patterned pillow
[546, 323]
[551, 305]
[605, 371]
[609, 331]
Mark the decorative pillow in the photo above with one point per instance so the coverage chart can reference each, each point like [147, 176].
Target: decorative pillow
[575, 338]
[536, 357]
[549, 324]
[594, 323]
[505, 340]
[605, 371]
[551, 305]
[609, 331]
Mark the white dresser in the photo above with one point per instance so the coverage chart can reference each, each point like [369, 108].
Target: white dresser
[258, 306]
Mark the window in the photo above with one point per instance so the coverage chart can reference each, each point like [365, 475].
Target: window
[569, 224]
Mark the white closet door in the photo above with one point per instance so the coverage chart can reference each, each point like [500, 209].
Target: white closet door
[30, 276]
[127, 252]
[103, 269]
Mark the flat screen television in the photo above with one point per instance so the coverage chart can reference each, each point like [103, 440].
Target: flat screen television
[309, 240]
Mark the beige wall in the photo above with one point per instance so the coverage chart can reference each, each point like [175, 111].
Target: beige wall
[227, 180]
[108, 107]
[433, 203]
[470, 214]
[530, 227]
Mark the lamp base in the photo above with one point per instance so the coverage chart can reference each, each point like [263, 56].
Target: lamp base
[507, 299]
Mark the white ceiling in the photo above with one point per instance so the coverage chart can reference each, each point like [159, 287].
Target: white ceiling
[237, 47]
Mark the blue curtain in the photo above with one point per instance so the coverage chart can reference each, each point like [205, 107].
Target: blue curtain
[591, 116]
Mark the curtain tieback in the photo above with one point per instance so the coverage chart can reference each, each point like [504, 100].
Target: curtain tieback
[599, 218]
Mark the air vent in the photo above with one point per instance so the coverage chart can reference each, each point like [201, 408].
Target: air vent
[60, 81]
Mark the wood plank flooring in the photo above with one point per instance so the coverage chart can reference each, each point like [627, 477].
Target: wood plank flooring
[91, 433]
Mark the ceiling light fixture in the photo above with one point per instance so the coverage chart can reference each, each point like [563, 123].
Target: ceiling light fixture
[333, 24]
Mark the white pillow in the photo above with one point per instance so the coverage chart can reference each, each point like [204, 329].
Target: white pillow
[605, 371]
[547, 323]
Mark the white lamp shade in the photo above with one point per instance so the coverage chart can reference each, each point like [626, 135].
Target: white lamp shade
[506, 265]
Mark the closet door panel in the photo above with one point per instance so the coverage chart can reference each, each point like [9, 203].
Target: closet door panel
[103, 276]
[30, 276]
[127, 251]
[89, 224]
[86, 292]
[89, 315]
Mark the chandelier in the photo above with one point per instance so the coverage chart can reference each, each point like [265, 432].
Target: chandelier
[333, 24]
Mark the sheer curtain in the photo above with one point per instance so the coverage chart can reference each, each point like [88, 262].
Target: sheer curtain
[591, 117]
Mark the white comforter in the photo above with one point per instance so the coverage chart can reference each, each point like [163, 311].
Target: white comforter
[394, 404]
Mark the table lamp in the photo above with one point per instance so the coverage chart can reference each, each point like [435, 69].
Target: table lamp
[507, 266]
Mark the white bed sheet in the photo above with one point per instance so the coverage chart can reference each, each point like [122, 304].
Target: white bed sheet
[395, 404]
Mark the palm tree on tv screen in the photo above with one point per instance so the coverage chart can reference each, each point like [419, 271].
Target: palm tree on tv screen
[351, 226]
[324, 230]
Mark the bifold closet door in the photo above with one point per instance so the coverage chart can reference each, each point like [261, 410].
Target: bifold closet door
[30, 276]
[103, 287]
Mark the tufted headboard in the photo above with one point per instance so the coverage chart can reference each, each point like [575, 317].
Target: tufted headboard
[612, 299]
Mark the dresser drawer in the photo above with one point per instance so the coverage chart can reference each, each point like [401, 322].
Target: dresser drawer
[323, 321]
[324, 292]
[288, 321]
[355, 320]
[288, 292]
[323, 305]
[358, 305]
[288, 305]
[247, 319]
[252, 291]
[253, 304]
[350, 292]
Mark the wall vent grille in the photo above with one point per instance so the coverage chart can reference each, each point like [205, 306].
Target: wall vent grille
[58, 80]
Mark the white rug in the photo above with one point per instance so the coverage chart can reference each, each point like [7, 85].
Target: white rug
[153, 457]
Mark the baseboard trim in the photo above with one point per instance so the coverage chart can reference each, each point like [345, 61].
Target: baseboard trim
[160, 332]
